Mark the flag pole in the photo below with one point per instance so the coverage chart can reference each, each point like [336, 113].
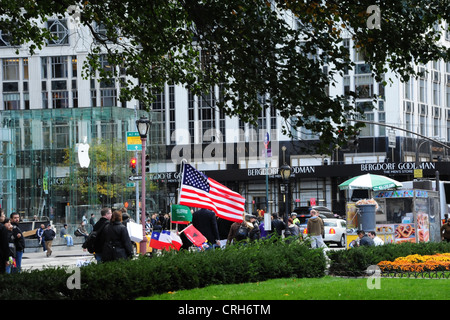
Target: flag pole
[183, 161]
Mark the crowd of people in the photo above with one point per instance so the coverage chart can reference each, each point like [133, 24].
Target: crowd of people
[113, 242]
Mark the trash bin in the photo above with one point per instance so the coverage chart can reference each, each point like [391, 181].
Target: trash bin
[366, 217]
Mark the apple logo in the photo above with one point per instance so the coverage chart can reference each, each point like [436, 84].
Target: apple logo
[83, 154]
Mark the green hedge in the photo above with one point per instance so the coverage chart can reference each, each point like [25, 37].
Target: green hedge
[170, 272]
[355, 261]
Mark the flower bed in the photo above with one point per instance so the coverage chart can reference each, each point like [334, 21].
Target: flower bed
[417, 263]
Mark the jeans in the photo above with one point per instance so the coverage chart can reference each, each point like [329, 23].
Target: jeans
[98, 257]
[317, 242]
[18, 267]
[69, 240]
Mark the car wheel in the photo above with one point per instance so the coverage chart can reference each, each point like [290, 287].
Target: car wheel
[342, 242]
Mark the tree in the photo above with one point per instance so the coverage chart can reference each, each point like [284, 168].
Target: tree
[248, 48]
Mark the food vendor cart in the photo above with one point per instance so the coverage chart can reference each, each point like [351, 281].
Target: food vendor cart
[410, 215]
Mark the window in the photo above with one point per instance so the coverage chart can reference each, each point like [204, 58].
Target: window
[423, 90]
[408, 94]
[59, 32]
[59, 67]
[10, 69]
[11, 101]
[60, 99]
[436, 94]
[108, 97]
[5, 39]
[364, 87]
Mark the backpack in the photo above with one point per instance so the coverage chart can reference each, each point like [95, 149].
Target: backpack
[90, 241]
[242, 233]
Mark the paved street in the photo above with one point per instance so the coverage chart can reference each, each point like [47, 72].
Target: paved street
[64, 256]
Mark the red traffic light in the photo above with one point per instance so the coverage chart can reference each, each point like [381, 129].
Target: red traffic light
[133, 162]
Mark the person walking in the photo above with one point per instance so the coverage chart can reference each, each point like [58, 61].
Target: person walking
[19, 240]
[117, 243]
[315, 230]
[91, 222]
[105, 218]
[49, 235]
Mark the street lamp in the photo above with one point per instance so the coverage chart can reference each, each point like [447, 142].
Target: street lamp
[285, 172]
[143, 125]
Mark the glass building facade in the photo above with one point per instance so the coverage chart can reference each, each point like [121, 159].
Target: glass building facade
[43, 173]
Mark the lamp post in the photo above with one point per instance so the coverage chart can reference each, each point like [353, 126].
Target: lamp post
[285, 172]
[143, 125]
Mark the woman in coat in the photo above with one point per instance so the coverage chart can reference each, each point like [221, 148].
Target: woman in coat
[117, 241]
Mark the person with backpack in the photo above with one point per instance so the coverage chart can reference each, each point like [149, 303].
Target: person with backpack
[117, 242]
[246, 230]
[95, 240]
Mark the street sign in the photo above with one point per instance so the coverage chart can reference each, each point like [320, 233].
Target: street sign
[131, 184]
[134, 142]
[132, 178]
[391, 139]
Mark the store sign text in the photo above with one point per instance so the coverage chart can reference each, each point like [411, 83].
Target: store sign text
[392, 168]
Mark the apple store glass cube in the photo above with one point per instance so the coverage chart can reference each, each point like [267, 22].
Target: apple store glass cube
[62, 164]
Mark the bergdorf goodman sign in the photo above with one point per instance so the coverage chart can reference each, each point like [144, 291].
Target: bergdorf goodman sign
[393, 168]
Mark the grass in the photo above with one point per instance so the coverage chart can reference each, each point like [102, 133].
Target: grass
[327, 288]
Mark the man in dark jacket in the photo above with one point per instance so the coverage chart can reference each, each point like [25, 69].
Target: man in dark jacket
[277, 225]
[106, 214]
[48, 236]
[19, 240]
[205, 221]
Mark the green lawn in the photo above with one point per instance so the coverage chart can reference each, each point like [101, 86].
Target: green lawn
[327, 288]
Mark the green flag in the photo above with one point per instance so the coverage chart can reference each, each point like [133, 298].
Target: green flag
[181, 214]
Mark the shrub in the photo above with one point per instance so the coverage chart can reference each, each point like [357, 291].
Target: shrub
[170, 271]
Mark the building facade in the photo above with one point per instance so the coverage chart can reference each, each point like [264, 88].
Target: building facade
[48, 109]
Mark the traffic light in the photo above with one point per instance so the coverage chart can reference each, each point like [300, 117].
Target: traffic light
[133, 163]
[147, 163]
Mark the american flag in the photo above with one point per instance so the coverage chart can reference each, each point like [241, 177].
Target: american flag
[199, 191]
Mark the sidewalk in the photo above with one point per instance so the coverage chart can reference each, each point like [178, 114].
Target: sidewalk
[68, 256]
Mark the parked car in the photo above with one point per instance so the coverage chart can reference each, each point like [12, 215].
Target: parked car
[335, 231]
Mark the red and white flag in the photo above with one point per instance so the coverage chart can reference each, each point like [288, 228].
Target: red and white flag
[165, 240]
[199, 191]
